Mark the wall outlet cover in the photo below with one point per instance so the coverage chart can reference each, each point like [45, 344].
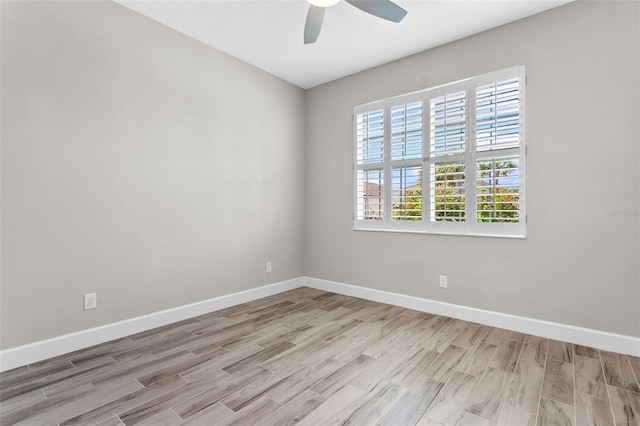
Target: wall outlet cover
[443, 281]
[90, 301]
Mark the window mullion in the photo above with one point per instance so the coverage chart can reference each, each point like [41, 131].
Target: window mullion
[470, 167]
[426, 140]
[386, 146]
[426, 162]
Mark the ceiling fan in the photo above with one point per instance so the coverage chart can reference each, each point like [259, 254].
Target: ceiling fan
[384, 9]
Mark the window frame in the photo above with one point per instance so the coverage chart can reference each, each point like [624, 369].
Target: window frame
[471, 226]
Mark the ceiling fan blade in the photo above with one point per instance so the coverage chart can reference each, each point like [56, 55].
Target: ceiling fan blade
[384, 9]
[314, 24]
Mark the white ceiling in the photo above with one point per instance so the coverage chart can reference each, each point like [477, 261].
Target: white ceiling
[268, 33]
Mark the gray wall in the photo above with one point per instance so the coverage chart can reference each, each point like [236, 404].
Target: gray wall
[578, 266]
[138, 164]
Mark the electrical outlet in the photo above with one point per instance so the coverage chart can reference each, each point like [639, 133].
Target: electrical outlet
[268, 266]
[443, 281]
[90, 301]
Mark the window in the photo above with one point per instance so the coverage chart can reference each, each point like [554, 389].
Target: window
[446, 160]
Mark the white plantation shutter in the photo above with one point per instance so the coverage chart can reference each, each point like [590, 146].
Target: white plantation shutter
[406, 161]
[448, 142]
[498, 190]
[447, 189]
[369, 165]
[448, 124]
[498, 165]
[498, 115]
[406, 131]
[370, 195]
[406, 201]
[369, 137]
[462, 143]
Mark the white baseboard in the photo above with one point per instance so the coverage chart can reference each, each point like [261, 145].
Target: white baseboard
[38, 351]
[568, 333]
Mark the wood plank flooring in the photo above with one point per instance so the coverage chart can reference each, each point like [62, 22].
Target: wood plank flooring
[310, 357]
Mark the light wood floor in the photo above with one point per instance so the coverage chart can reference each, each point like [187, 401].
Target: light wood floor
[318, 358]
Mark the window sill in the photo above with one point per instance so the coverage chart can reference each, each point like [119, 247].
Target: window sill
[454, 234]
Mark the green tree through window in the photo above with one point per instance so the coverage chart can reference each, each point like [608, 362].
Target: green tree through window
[497, 196]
